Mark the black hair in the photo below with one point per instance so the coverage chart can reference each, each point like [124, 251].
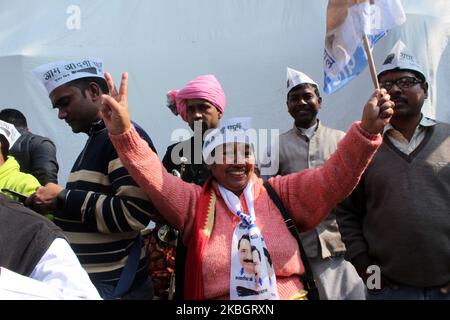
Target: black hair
[5, 146]
[266, 253]
[83, 84]
[14, 117]
[259, 253]
[303, 85]
[416, 73]
[245, 236]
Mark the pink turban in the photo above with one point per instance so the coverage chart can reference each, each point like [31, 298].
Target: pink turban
[203, 87]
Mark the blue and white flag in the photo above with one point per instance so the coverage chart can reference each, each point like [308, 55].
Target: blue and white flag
[347, 23]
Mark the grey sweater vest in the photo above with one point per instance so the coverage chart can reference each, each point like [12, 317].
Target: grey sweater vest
[25, 236]
[407, 226]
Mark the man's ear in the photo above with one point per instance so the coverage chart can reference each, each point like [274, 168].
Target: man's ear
[320, 101]
[425, 89]
[94, 91]
[220, 115]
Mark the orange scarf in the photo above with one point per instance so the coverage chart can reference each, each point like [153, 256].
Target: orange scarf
[203, 225]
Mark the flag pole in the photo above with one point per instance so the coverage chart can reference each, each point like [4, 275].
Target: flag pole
[373, 70]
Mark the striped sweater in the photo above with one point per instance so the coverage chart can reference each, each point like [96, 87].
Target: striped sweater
[102, 209]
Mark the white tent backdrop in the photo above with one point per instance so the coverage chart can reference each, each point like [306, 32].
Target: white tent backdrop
[163, 44]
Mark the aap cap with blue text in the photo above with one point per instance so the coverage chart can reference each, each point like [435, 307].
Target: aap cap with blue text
[235, 130]
[55, 74]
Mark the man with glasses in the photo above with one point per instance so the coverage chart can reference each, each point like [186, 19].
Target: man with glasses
[396, 224]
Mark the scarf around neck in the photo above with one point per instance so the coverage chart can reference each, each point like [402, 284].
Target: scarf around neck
[252, 276]
[264, 281]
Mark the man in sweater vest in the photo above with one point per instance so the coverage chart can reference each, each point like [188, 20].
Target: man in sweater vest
[101, 210]
[308, 145]
[36, 262]
[396, 223]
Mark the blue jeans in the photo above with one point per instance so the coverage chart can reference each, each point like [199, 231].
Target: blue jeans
[142, 291]
[407, 293]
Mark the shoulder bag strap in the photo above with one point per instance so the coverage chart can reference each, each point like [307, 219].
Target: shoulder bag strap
[130, 268]
[307, 278]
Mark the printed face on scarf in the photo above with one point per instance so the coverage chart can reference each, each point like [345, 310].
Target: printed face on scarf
[78, 109]
[303, 104]
[233, 166]
[245, 255]
[204, 111]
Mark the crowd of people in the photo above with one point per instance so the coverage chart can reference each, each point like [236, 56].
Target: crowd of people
[346, 216]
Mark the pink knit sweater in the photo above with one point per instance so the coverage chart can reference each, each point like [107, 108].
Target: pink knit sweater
[308, 195]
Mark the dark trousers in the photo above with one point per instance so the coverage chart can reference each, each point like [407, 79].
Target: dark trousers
[407, 293]
[141, 291]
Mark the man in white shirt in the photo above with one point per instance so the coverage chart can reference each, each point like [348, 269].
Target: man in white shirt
[36, 262]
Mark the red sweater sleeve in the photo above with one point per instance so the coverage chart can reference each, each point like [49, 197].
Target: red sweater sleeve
[175, 199]
[309, 195]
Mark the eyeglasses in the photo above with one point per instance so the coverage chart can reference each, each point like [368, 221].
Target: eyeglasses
[402, 83]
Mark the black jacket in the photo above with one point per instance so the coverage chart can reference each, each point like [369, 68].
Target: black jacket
[190, 172]
[37, 156]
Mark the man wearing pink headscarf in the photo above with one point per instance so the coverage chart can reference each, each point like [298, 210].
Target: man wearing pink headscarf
[201, 103]
[202, 99]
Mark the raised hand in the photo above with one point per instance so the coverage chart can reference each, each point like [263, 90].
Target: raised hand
[377, 112]
[115, 106]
